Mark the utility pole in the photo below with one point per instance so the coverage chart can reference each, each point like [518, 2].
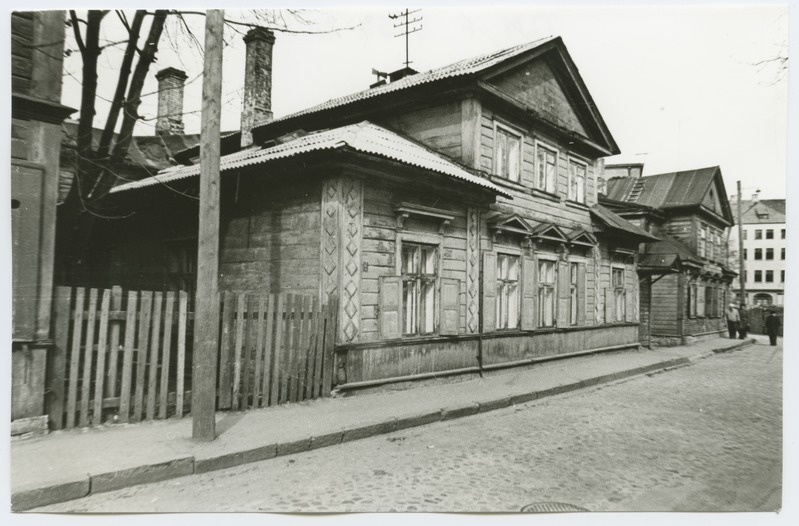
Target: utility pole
[206, 310]
[406, 24]
[741, 260]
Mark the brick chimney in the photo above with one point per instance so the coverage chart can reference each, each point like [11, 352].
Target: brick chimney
[170, 101]
[257, 100]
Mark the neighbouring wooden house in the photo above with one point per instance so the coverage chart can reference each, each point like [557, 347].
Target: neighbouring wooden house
[685, 281]
[37, 43]
[453, 212]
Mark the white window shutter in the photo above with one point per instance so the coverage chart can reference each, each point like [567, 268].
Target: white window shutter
[450, 306]
[390, 307]
[489, 291]
[529, 293]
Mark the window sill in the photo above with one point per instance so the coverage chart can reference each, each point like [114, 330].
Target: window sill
[576, 204]
[507, 183]
[545, 195]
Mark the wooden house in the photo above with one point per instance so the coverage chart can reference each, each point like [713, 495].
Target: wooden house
[37, 42]
[685, 280]
[453, 212]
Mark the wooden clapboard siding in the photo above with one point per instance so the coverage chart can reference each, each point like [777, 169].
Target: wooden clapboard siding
[664, 315]
[379, 246]
[438, 126]
[683, 228]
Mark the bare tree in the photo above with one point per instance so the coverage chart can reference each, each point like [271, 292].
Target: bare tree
[96, 165]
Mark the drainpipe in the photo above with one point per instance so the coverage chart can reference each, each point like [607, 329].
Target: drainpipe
[480, 299]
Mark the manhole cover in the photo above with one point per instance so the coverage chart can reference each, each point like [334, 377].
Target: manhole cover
[551, 507]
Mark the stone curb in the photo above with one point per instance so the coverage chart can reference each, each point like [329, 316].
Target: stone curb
[29, 498]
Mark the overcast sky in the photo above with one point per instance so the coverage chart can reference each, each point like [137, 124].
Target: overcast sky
[679, 87]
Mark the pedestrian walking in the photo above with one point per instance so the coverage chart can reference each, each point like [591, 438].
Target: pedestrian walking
[743, 321]
[732, 320]
[772, 326]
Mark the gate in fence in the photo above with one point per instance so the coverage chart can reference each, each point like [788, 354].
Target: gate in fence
[125, 356]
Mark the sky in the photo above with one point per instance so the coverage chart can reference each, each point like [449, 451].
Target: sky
[679, 87]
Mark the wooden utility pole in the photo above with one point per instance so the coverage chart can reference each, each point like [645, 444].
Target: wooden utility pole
[206, 310]
[741, 260]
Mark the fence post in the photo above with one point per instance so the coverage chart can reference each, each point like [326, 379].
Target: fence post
[57, 361]
[331, 330]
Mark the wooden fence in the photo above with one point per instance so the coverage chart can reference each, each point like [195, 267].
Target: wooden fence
[115, 364]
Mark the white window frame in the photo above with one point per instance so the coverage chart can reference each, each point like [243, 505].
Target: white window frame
[554, 182]
[510, 130]
[620, 314]
[581, 287]
[579, 162]
[422, 238]
[515, 253]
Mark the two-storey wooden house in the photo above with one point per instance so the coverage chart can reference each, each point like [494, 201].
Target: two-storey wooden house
[684, 278]
[453, 212]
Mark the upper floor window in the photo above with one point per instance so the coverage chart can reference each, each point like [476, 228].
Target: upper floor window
[507, 291]
[746, 254]
[769, 233]
[782, 276]
[546, 168]
[782, 253]
[769, 253]
[619, 294]
[577, 171]
[758, 253]
[507, 153]
[702, 247]
[419, 272]
[546, 292]
[782, 233]
[758, 234]
[769, 276]
[744, 234]
[758, 276]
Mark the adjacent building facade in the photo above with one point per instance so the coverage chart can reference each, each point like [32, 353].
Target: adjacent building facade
[764, 251]
[453, 212]
[685, 277]
[37, 43]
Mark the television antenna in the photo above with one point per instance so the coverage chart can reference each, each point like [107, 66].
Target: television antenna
[406, 28]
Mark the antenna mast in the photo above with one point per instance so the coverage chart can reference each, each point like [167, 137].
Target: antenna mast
[407, 30]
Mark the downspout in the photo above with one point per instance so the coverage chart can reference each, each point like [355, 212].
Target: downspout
[480, 298]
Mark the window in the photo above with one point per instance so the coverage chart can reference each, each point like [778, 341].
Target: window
[782, 253]
[546, 168]
[419, 272]
[700, 300]
[769, 233]
[758, 253]
[710, 301]
[711, 244]
[619, 294]
[746, 253]
[769, 253]
[546, 293]
[769, 276]
[782, 233]
[574, 293]
[507, 291]
[745, 279]
[758, 234]
[701, 249]
[577, 173]
[507, 153]
[758, 276]
[782, 276]
[744, 235]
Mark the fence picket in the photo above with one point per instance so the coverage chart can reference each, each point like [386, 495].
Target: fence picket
[310, 350]
[113, 351]
[102, 349]
[127, 359]
[268, 346]
[329, 358]
[302, 348]
[86, 366]
[259, 345]
[240, 307]
[288, 341]
[145, 315]
[226, 335]
[181, 362]
[77, 328]
[274, 395]
[169, 311]
[152, 365]
[246, 359]
[57, 362]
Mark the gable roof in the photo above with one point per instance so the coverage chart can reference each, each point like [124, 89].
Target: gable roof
[753, 212]
[475, 67]
[364, 137]
[670, 190]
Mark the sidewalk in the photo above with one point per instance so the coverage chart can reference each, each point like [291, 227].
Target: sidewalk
[68, 465]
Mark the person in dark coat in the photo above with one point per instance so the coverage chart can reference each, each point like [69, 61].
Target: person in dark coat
[743, 321]
[772, 327]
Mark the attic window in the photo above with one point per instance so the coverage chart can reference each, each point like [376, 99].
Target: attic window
[761, 214]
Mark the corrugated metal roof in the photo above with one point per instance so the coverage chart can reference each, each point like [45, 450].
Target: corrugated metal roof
[364, 137]
[686, 188]
[463, 67]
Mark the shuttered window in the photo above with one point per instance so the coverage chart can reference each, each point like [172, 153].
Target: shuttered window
[619, 294]
[507, 295]
[546, 293]
[575, 293]
[700, 300]
[419, 274]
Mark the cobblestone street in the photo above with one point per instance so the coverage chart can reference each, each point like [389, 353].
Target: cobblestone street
[705, 437]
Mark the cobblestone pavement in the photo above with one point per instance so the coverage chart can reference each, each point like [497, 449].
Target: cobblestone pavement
[705, 437]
